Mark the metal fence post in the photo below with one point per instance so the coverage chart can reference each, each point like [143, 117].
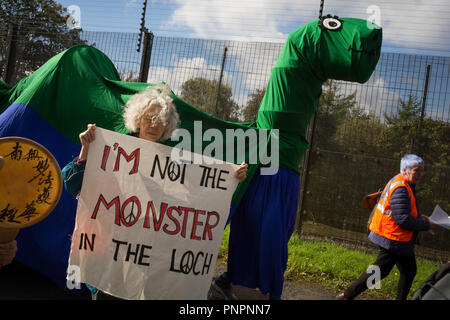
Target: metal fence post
[220, 80]
[12, 53]
[304, 175]
[146, 55]
[416, 138]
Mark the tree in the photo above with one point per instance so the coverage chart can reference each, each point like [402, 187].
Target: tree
[360, 135]
[433, 142]
[402, 127]
[203, 94]
[334, 108]
[333, 103]
[432, 145]
[42, 33]
[407, 112]
[251, 109]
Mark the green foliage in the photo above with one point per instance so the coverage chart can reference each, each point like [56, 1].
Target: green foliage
[251, 109]
[337, 267]
[401, 128]
[407, 112]
[431, 143]
[42, 34]
[354, 154]
[334, 108]
[434, 142]
[204, 94]
[333, 103]
[361, 135]
[223, 250]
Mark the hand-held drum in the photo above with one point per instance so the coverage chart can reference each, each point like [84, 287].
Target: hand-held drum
[30, 185]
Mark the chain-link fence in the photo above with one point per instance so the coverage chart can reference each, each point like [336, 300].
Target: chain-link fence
[358, 136]
[403, 108]
[120, 48]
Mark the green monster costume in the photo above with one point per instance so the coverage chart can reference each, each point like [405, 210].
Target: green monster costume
[81, 85]
[310, 56]
[330, 48]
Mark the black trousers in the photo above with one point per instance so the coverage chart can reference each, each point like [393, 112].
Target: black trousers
[386, 261]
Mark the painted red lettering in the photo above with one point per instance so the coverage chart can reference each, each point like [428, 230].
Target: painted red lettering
[105, 157]
[134, 155]
[186, 211]
[108, 205]
[208, 226]
[175, 221]
[195, 223]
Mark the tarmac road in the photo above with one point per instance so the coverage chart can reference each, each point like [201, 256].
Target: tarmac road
[291, 291]
[18, 282]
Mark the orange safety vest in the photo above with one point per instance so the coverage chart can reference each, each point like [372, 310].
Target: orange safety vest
[382, 222]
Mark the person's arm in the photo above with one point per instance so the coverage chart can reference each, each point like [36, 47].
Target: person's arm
[7, 252]
[73, 172]
[72, 175]
[401, 212]
[86, 137]
[241, 173]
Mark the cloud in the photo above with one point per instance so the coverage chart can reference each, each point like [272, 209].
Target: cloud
[184, 69]
[132, 3]
[232, 19]
[407, 25]
[375, 97]
[235, 75]
[415, 27]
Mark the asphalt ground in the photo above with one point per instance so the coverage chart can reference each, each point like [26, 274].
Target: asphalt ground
[18, 282]
[292, 290]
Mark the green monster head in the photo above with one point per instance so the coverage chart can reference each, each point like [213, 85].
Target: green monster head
[329, 48]
[339, 48]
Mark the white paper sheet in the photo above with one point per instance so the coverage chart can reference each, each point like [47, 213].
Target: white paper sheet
[440, 217]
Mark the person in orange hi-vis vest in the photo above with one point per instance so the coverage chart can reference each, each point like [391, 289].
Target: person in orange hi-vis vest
[394, 227]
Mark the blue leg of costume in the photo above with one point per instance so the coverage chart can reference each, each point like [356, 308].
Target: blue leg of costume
[260, 230]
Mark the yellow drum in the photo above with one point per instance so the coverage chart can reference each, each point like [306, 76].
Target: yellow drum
[30, 185]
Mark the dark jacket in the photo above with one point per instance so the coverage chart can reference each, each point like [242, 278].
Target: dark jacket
[401, 213]
[72, 175]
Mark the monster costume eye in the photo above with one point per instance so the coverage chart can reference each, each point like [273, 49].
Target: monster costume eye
[332, 23]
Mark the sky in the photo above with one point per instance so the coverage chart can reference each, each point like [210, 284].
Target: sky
[413, 27]
[409, 26]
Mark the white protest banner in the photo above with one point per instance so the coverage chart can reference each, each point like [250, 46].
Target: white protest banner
[148, 227]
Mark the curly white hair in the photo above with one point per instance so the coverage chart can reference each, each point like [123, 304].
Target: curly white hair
[139, 103]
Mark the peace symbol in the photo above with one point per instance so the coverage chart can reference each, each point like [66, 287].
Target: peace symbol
[173, 171]
[130, 217]
[186, 264]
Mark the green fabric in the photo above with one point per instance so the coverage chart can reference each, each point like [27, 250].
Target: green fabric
[81, 86]
[311, 56]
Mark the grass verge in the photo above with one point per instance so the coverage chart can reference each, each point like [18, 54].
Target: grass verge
[336, 267]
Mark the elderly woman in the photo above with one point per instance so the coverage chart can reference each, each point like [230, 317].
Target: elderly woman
[394, 228]
[150, 115]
